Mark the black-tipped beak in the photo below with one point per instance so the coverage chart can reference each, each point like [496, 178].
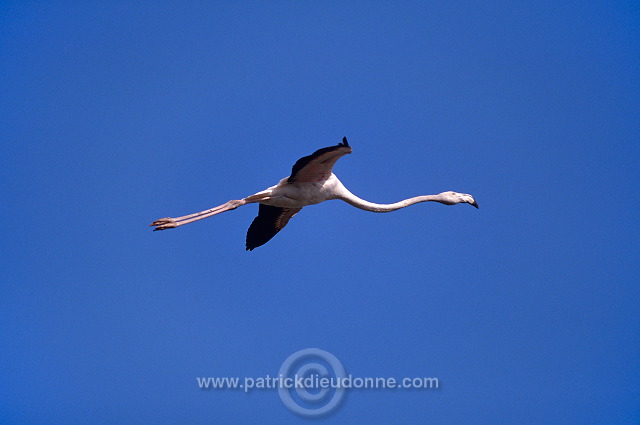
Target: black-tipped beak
[475, 204]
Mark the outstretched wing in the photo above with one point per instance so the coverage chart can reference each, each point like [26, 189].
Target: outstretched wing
[270, 220]
[317, 166]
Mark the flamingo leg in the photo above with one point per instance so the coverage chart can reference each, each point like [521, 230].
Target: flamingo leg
[185, 217]
[171, 222]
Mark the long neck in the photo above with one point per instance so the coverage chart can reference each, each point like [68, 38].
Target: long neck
[352, 199]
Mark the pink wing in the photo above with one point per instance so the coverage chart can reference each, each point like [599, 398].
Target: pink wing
[317, 166]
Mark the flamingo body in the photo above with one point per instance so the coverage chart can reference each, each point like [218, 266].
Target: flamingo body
[311, 182]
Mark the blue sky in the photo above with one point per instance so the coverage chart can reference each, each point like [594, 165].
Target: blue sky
[115, 114]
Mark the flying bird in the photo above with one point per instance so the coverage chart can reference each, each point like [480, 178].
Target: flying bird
[311, 182]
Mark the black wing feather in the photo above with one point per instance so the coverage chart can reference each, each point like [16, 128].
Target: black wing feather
[270, 220]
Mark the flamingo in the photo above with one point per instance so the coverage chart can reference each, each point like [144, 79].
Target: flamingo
[311, 182]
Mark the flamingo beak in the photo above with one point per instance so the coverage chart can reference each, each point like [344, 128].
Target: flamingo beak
[475, 204]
